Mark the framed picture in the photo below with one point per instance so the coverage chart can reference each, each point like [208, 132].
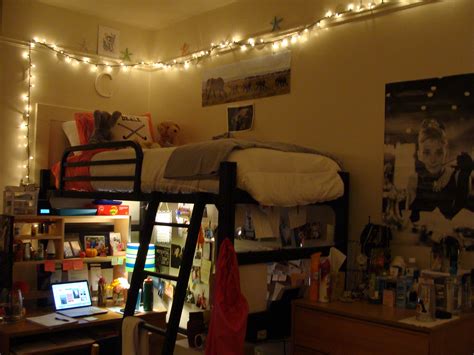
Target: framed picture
[99, 241]
[76, 248]
[116, 244]
[68, 250]
[108, 42]
[240, 118]
[176, 255]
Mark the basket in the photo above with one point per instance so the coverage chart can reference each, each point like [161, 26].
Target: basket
[20, 200]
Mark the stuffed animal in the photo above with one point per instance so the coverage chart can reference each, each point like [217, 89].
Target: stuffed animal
[168, 132]
[103, 123]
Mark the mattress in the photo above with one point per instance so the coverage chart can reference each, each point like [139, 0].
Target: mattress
[272, 177]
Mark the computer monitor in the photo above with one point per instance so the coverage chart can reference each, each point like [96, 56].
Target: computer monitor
[74, 294]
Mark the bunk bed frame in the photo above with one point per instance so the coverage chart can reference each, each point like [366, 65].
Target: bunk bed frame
[225, 201]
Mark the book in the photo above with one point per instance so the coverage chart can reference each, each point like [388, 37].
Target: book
[52, 320]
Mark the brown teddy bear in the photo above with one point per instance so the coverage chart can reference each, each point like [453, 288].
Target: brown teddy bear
[169, 132]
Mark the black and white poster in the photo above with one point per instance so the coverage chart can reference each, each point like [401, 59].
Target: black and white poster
[428, 157]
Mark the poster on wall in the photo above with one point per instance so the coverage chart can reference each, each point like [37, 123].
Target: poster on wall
[108, 42]
[428, 151]
[248, 79]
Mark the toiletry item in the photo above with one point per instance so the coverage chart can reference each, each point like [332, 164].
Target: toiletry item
[388, 298]
[425, 308]
[412, 291]
[27, 252]
[314, 277]
[148, 294]
[411, 267]
[325, 281]
[401, 293]
[50, 249]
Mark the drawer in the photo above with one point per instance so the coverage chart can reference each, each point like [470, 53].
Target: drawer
[333, 334]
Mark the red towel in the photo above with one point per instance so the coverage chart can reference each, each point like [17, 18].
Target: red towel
[229, 314]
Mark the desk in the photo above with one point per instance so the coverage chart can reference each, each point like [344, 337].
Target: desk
[362, 328]
[24, 330]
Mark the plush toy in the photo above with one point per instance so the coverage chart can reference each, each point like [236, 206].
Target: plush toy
[168, 132]
[103, 123]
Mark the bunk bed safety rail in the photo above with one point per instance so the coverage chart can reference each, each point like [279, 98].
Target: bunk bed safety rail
[137, 161]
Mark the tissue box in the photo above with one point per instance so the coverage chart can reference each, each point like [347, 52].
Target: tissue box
[112, 210]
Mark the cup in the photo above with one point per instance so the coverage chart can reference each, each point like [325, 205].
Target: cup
[12, 304]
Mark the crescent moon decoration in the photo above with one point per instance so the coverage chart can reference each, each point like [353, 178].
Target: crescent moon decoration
[100, 90]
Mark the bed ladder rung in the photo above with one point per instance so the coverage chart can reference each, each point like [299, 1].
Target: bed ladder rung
[161, 276]
[176, 225]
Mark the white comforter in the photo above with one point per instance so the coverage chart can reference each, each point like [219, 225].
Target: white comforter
[272, 177]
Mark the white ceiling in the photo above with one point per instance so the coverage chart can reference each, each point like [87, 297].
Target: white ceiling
[146, 14]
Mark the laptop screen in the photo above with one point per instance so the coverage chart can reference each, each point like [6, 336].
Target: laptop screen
[71, 295]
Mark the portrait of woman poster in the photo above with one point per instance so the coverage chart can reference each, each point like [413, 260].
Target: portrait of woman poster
[428, 156]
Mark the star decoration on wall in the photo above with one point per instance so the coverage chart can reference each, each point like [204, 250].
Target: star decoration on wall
[126, 55]
[276, 23]
[185, 49]
[83, 46]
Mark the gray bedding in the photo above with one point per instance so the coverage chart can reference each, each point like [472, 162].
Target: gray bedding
[202, 160]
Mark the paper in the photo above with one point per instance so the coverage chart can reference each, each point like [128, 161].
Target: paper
[114, 261]
[336, 259]
[68, 265]
[49, 266]
[206, 251]
[297, 217]
[78, 264]
[261, 223]
[95, 273]
[120, 260]
[90, 319]
[205, 271]
[77, 275]
[52, 320]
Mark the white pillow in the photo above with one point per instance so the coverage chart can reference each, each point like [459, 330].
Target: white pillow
[70, 130]
[134, 128]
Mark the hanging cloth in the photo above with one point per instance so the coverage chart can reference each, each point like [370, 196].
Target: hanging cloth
[229, 314]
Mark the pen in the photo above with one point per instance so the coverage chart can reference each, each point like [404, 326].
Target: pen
[64, 320]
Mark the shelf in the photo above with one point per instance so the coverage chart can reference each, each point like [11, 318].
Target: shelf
[34, 219]
[35, 262]
[97, 259]
[38, 237]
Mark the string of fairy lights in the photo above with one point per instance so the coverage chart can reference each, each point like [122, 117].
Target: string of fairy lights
[274, 40]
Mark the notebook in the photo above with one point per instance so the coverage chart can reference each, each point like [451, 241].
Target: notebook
[73, 299]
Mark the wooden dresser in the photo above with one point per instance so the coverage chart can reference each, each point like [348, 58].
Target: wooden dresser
[362, 329]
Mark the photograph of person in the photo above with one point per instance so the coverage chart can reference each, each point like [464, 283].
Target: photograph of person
[176, 255]
[240, 118]
[428, 150]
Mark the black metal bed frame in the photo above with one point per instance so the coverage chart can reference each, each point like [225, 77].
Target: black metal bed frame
[225, 201]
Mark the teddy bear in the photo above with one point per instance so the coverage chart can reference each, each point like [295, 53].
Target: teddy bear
[168, 134]
[103, 124]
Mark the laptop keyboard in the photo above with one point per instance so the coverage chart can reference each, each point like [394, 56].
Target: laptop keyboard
[85, 311]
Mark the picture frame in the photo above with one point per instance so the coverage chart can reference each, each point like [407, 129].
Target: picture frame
[76, 248]
[96, 240]
[108, 41]
[68, 250]
[117, 247]
[240, 118]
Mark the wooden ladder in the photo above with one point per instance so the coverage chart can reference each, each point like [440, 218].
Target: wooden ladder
[139, 274]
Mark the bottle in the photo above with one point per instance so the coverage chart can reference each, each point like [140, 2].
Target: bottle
[401, 295]
[411, 267]
[412, 291]
[314, 277]
[425, 307]
[148, 294]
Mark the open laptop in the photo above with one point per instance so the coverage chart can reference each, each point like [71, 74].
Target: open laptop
[73, 299]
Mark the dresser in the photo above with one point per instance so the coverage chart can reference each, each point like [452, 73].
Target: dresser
[363, 329]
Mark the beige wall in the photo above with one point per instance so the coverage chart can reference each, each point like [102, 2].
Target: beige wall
[338, 80]
[59, 83]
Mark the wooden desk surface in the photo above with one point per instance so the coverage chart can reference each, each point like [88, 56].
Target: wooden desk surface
[24, 328]
[376, 313]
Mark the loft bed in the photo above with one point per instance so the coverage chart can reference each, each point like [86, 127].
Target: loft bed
[225, 197]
